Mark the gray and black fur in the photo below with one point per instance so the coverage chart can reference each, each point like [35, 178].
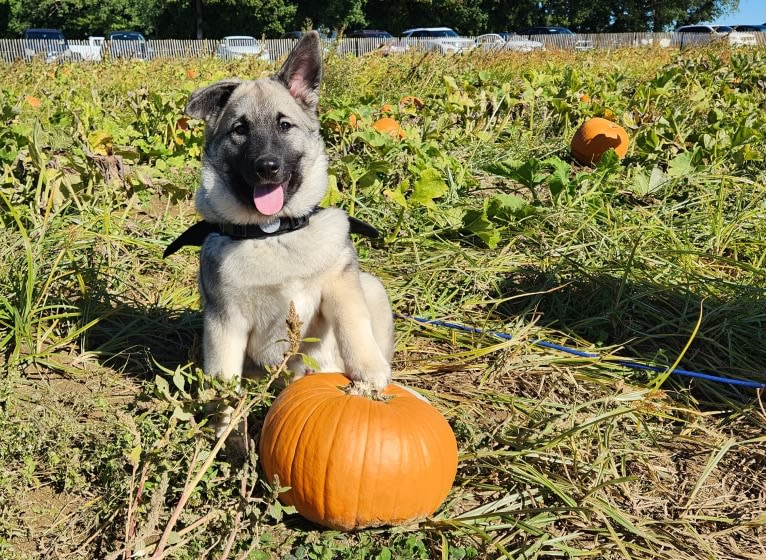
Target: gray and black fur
[263, 136]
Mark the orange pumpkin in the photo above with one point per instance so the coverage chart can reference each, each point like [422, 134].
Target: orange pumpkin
[351, 461]
[33, 101]
[387, 125]
[386, 108]
[595, 136]
[408, 100]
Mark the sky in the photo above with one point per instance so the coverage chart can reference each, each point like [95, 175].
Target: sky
[750, 12]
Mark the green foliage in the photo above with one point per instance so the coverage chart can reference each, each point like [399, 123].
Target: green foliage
[487, 220]
[634, 15]
[81, 18]
[216, 18]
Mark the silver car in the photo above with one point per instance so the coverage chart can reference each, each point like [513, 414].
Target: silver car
[444, 40]
[496, 42]
[234, 47]
[688, 35]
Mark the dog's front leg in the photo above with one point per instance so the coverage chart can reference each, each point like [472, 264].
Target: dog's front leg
[224, 344]
[345, 307]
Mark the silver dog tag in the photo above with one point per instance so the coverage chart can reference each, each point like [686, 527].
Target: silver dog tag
[271, 227]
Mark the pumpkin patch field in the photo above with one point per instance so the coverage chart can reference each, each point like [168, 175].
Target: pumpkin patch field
[589, 326]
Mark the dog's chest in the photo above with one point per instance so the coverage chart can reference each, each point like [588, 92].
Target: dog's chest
[258, 281]
[266, 312]
[265, 305]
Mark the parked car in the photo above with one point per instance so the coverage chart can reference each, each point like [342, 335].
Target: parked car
[750, 28]
[48, 43]
[509, 42]
[545, 30]
[371, 40]
[233, 47]
[738, 38]
[565, 36]
[444, 40]
[129, 45]
[368, 34]
[92, 50]
[688, 35]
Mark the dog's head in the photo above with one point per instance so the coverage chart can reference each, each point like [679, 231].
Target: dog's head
[264, 156]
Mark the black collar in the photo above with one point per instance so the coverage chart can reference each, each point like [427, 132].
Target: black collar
[196, 234]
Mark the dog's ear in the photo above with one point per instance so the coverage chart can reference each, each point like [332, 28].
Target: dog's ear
[302, 71]
[207, 103]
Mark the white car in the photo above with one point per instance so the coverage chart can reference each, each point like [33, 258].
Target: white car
[688, 35]
[91, 50]
[128, 45]
[557, 36]
[233, 47]
[496, 42]
[444, 40]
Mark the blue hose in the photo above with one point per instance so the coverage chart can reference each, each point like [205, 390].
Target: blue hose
[573, 351]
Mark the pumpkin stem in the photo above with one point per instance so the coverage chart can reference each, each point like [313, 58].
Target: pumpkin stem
[365, 389]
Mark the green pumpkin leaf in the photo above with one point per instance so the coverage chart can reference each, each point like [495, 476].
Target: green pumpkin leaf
[478, 223]
[682, 165]
[333, 196]
[429, 186]
[398, 195]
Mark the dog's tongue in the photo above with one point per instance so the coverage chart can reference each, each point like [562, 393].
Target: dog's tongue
[269, 199]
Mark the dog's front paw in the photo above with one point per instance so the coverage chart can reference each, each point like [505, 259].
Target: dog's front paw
[376, 379]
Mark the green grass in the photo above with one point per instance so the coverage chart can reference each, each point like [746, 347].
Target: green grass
[488, 222]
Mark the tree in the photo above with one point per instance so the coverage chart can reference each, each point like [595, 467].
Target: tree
[270, 18]
[632, 15]
[80, 18]
[332, 14]
[216, 18]
[467, 16]
[173, 18]
[510, 15]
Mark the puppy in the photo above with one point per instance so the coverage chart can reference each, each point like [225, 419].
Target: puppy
[266, 242]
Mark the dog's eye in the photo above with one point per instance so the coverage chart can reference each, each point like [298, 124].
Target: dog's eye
[284, 126]
[240, 129]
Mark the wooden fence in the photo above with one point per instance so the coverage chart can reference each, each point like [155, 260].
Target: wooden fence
[19, 49]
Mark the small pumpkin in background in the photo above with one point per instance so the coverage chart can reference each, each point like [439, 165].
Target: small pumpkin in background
[411, 101]
[595, 136]
[387, 125]
[33, 101]
[351, 461]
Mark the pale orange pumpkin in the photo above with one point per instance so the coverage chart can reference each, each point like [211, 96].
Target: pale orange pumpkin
[33, 101]
[351, 461]
[408, 100]
[387, 125]
[595, 136]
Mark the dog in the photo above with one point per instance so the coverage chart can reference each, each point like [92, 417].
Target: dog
[267, 244]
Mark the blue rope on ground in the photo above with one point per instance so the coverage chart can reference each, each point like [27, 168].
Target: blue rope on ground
[573, 351]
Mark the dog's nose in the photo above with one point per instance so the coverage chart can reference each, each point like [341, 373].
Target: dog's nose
[267, 167]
